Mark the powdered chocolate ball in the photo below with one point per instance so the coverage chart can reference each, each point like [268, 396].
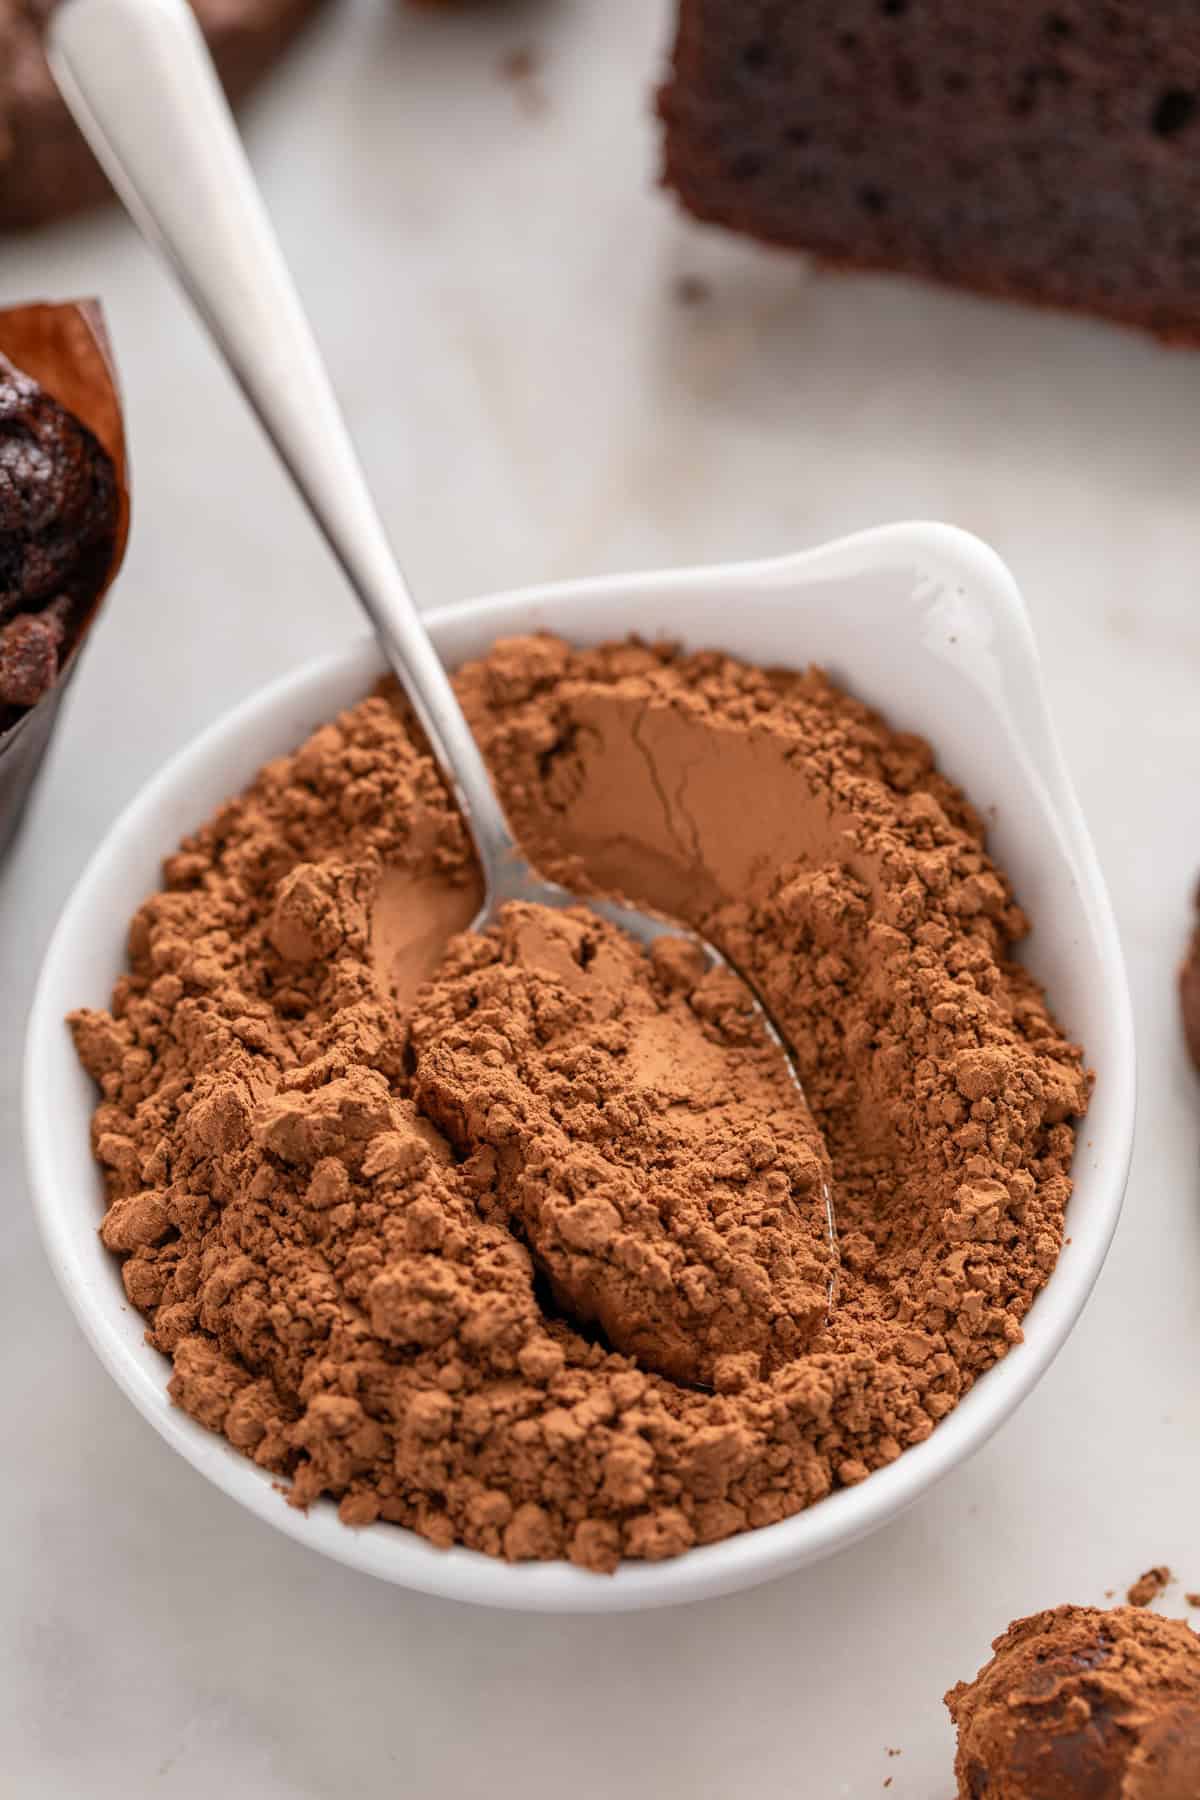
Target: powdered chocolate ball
[1078, 1704]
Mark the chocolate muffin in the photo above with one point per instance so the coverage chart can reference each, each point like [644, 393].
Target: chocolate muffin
[64, 517]
[1078, 1704]
[63, 510]
[1042, 152]
[46, 169]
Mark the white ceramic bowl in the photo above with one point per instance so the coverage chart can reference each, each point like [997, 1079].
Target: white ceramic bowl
[921, 620]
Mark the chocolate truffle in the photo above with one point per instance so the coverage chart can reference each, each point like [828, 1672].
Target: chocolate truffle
[1078, 1704]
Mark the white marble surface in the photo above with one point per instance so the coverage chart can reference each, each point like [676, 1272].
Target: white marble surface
[493, 277]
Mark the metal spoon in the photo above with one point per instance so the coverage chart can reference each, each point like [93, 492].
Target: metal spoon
[138, 78]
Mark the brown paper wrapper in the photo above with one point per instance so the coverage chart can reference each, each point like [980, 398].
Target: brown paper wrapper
[65, 349]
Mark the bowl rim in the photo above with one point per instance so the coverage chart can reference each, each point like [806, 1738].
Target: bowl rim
[748, 1558]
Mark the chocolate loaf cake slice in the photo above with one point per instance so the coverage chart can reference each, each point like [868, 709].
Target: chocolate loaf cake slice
[46, 169]
[1045, 152]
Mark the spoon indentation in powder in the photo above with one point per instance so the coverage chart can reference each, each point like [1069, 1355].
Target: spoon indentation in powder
[631, 1120]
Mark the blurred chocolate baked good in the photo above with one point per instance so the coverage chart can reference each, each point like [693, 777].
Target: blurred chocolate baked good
[64, 516]
[1189, 992]
[46, 170]
[1078, 1704]
[1042, 153]
[61, 506]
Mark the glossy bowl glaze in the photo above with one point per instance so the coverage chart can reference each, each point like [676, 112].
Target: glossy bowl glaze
[921, 621]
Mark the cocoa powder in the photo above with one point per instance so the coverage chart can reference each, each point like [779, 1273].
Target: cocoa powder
[1149, 1586]
[519, 1242]
[625, 1113]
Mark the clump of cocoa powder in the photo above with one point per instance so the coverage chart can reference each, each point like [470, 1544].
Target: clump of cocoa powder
[434, 1326]
[626, 1113]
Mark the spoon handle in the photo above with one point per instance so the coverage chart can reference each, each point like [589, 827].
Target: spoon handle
[137, 76]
